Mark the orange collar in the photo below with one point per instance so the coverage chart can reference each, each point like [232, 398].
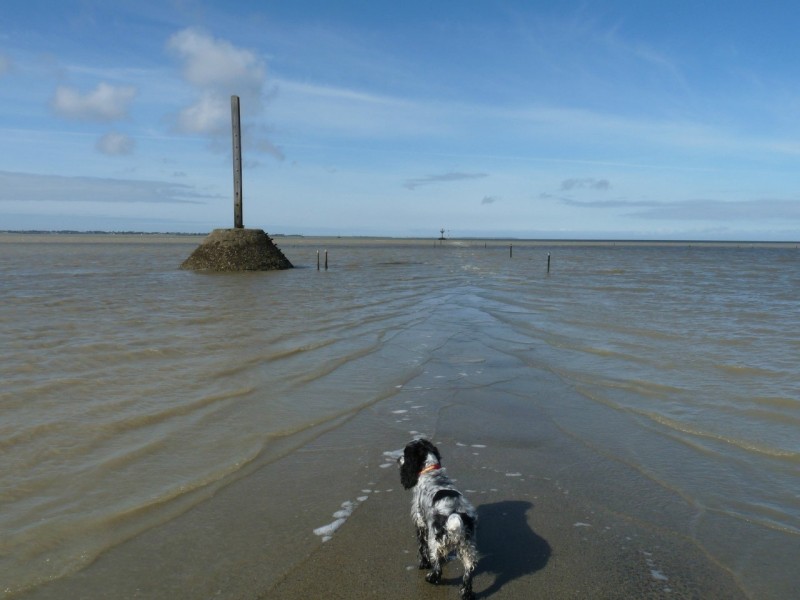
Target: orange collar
[430, 468]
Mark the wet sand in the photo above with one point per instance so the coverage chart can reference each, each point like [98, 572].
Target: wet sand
[537, 540]
[539, 534]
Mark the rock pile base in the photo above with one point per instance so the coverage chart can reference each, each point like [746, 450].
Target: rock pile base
[237, 250]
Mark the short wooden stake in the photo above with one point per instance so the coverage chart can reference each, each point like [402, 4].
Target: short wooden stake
[317, 260]
[326, 260]
[510, 250]
[548, 262]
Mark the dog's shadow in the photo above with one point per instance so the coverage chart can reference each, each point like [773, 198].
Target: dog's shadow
[508, 547]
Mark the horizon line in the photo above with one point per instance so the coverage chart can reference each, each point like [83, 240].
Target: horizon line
[584, 240]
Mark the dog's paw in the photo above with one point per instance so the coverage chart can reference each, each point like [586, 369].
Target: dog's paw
[467, 594]
[424, 564]
[433, 577]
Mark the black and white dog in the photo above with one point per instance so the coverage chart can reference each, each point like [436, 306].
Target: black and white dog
[445, 520]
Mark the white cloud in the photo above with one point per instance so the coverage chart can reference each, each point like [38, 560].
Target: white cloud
[104, 103]
[210, 114]
[217, 69]
[209, 62]
[115, 144]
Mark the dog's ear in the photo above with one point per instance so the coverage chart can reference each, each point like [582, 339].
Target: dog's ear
[430, 449]
[414, 456]
[413, 459]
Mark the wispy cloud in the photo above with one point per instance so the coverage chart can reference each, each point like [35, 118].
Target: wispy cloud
[585, 183]
[28, 187]
[588, 124]
[5, 64]
[104, 103]
[325, 111]
[489, 199]
[338, 93]
[115, 144]
[413, 184]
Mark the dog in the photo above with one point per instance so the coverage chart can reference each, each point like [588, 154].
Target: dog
[445, 521]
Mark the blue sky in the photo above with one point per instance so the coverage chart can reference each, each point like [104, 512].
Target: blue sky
[614, 119]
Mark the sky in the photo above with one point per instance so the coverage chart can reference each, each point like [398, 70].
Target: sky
[620, 119]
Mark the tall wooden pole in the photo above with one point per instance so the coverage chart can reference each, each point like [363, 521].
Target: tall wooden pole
[238, 223]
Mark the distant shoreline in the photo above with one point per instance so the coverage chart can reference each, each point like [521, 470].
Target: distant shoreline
[454, 241]
[93, 232]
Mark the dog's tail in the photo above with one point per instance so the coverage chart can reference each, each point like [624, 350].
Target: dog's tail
[454, 524]
[460, 524]
[460, 534]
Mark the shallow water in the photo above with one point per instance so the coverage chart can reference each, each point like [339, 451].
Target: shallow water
[133, 390]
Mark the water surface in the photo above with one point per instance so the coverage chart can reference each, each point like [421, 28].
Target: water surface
[133, 390]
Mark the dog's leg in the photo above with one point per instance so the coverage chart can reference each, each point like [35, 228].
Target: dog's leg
[424, 557]
[435, 575]
[468, 554]
[435, 551]
[466, 584]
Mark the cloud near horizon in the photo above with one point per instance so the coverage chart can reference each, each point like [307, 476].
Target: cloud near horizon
[413, 184]
[701, 209]
[29, 187]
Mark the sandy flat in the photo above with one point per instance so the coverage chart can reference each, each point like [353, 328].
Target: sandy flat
[540, 535]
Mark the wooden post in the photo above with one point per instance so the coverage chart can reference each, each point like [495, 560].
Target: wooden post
[317, 260]
[326, 260]
[510, 250]
[548, 262]
[238, 222]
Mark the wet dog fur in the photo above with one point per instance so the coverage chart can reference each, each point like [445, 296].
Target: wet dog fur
[445, 521]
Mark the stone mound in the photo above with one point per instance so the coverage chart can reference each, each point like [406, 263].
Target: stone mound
[237, 250]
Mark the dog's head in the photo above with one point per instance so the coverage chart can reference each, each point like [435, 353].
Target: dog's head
[415, 455]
